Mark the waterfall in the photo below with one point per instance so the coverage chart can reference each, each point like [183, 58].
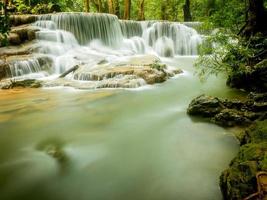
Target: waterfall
[82, 38]
[165, 38]
[131, 28]
[175, 38]
[30, 66]
[87, 27]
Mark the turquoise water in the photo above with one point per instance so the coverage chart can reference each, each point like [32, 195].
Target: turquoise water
[61, 143]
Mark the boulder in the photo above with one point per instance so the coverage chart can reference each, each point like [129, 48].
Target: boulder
[229, 112]
[232, 117]
[205, 106]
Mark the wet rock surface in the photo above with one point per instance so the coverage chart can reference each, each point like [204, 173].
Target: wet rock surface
[146, 67]
[230, 112]
[17, 20]
[133, 73]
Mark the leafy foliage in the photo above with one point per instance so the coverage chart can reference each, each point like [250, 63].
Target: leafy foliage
[47, 6]
[4, 26]
[223, 53]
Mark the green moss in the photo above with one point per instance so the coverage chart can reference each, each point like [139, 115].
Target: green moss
[252, 152]
[158, 66]
[29, 83]
[239, 180]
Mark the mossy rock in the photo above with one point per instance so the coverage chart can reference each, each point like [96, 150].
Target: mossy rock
[239, 180]
[29, 83]
[158, 66]
[252, 152]
[53, 147]
[256, 133]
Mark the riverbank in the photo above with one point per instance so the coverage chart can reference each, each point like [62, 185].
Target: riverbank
[239, 180]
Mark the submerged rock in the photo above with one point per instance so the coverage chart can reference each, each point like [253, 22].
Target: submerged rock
[239, 180]
[54, 147]
[28, 83]
[229, 112]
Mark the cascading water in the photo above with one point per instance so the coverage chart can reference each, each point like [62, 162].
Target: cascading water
[80, 38]
[87, 27]
[23, 67]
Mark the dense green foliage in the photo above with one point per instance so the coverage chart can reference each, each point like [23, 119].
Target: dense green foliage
[46, 6]
[227, 52]
[4, 28]
[220, 12]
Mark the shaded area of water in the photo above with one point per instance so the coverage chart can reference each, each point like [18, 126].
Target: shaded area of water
[112, 144]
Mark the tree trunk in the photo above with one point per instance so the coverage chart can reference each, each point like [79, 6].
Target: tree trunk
[127, 9]
[256, 19]
[141, 12]
[210, 7]
[187, 13]
[111, 7]
[5, 8]
[163, 10]
[117, 8]
[87, 5]
[73, 69]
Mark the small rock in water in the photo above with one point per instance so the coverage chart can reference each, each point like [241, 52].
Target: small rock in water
[28, 83]
[54, 148]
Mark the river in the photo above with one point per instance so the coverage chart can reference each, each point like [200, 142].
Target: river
[115, 143]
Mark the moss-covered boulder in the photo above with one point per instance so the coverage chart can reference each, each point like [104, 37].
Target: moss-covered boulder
[229, 112]
[239, 180]
[205, 106]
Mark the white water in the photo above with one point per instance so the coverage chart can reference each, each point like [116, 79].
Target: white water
[79, 38]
